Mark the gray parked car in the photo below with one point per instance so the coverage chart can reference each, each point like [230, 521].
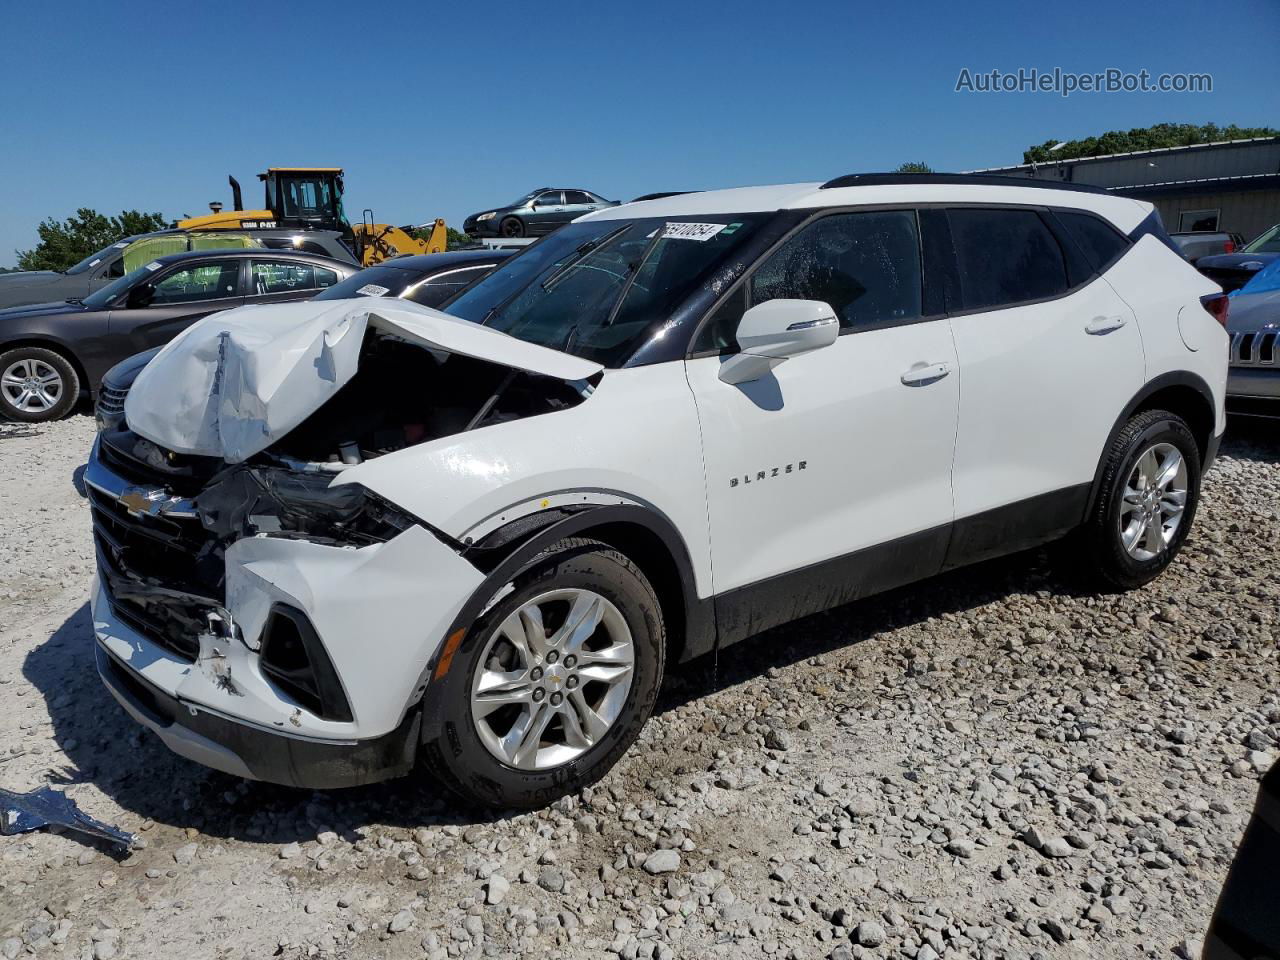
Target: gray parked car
[1253, 383]
[537, 212]
[49, 352]
[42, 286]
[102, 267]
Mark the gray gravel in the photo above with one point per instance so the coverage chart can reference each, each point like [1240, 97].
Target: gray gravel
[989, 765]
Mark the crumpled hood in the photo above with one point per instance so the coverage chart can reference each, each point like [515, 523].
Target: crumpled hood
[234, 383]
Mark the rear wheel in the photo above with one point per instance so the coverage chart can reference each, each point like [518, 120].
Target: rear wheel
[1147, 501]
[553, 684]
[511, 227]
[36, 384]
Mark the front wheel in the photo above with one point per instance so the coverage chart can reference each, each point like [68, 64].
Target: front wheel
[36, 385]
[511, 227]
[1147, 500]
[553, 684]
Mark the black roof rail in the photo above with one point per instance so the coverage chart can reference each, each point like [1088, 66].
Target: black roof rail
[659, 196]
[973, 179]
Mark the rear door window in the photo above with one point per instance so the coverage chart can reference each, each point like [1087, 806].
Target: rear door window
[1005, 257]
[288, 276]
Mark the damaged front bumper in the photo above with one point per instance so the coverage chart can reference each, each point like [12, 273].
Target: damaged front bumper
[188, 661]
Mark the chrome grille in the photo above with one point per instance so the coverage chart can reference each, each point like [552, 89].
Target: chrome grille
[1254, 349]
[111, 400]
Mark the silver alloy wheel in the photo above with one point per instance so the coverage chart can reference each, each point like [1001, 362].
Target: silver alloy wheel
[31, 385]
[552, 679]
[1154, 499]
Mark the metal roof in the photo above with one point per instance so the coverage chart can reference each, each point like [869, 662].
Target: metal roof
[1132, 153]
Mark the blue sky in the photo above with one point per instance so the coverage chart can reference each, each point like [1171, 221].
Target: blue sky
[442, 109]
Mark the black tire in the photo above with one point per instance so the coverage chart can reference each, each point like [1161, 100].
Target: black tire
[68, 384]
[511, 227]
[452, 749]
[1102, 553]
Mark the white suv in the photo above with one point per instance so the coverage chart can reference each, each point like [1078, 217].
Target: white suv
[338, 539]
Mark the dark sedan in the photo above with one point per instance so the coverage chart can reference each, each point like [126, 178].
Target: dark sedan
[537, 212]
[50, 351]
[1234, 270]
[429, 279]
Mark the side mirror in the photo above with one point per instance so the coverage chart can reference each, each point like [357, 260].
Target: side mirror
[775, 330]
[140, 296]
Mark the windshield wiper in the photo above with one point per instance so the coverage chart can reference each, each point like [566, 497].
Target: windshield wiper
[584, 248]
[76, 300]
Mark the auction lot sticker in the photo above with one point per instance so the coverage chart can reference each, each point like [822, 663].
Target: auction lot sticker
[692, 231]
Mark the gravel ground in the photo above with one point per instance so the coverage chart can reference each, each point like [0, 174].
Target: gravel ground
[989, 765]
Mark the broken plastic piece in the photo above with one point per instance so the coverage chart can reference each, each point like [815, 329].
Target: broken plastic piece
[24, 812]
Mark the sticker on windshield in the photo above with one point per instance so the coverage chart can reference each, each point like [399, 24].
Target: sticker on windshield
[153, 265]
[94, 263]
[122, 243]
[373, 290]
[692, 231]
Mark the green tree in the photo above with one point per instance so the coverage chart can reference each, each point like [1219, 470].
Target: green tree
[1142, 138]
[65, 244]
[458, 239]
[914, 168]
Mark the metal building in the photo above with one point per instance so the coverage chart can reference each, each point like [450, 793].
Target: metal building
[1232, 185]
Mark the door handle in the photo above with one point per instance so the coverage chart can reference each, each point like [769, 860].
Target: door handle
[920, 374]
[1100, 325]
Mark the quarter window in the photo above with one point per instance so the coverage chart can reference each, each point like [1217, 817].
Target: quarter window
[285, 276]
[205, 281]
[1005, 257]
[1102, 244]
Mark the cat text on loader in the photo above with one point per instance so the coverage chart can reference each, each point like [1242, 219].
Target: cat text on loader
[310, 198]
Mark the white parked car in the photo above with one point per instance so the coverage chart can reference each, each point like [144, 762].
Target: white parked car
[339, 539]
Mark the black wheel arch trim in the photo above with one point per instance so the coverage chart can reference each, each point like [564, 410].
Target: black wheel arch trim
[1174, 378]
[699, 633]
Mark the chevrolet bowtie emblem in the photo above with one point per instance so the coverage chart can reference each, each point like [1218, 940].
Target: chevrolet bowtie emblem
[135, 501]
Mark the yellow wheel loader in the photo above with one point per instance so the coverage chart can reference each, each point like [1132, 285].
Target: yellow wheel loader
[310, 198]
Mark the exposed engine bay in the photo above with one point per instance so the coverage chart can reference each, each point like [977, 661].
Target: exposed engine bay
[162, 537]
[403, 394]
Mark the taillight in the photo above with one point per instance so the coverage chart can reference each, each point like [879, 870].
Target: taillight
[1217, 304]
[1229, 247]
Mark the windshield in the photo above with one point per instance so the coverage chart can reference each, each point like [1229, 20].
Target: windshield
[1269, 242]
[594, 289]
[102, 298]
[521, 201]
[93, 259]
[380, 281]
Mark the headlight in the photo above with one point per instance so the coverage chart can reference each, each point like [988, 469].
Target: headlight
[246, 500]
[487, 216]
